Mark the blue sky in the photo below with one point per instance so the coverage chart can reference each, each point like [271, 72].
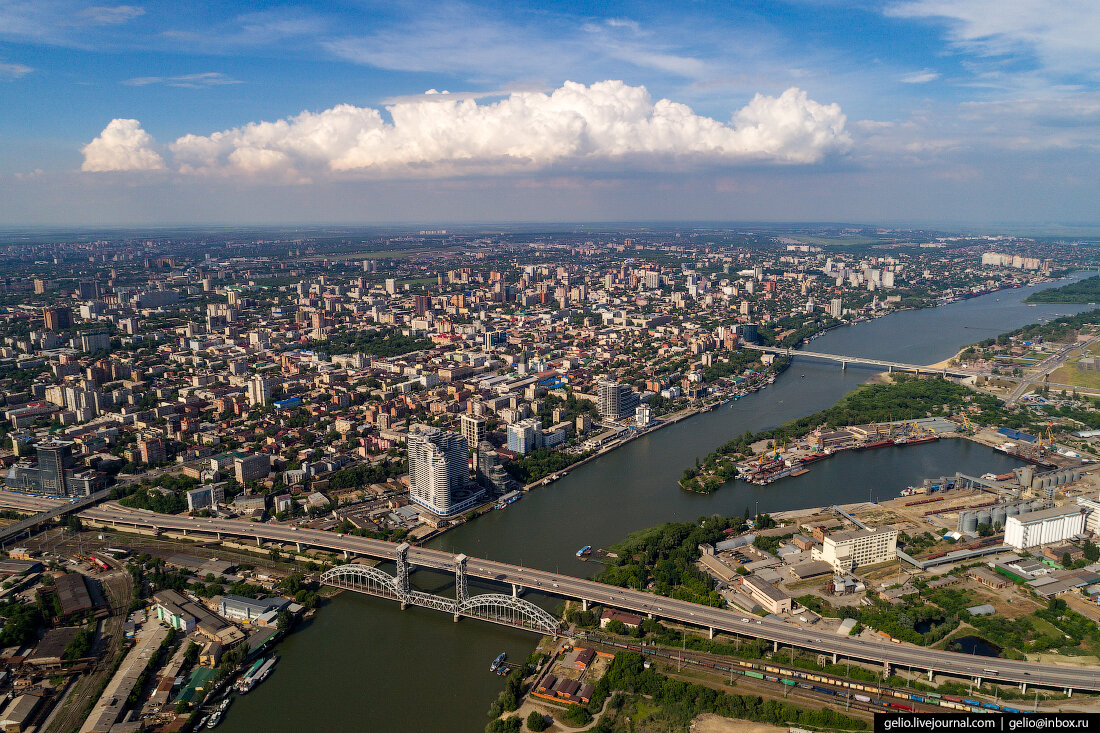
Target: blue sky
[930, 111]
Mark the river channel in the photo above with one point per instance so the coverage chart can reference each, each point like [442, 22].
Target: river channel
[362, 664]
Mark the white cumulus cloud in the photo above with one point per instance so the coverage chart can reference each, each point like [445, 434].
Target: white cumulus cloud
[122, 146]
[607, 123]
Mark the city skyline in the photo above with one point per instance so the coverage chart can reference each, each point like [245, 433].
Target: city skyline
[914, 110]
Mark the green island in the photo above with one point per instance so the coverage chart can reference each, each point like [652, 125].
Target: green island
[905, 397]
[663, 559]
[1082, 291]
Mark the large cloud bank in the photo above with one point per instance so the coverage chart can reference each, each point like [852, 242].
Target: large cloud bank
[575, 125]
[122, 146]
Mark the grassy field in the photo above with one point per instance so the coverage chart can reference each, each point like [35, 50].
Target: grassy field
[1070, 374]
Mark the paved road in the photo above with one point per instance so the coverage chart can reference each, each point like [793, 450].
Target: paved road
[48, 509]
[1045, 367]
[897, 655]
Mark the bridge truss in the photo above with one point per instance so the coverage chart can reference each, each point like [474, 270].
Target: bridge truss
[495, 608]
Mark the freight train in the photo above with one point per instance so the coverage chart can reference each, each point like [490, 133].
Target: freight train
[871, 695]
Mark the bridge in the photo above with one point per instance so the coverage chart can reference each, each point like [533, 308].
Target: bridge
[26, 527]
[890, 656]
[844, 361]
[493, 607]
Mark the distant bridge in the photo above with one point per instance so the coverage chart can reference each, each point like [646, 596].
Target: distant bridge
[496, 608]
[846, 360]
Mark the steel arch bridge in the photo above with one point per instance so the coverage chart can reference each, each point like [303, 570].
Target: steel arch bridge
[496, 608]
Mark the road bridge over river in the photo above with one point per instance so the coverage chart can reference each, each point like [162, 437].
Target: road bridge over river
[844, 361]
[891, 656]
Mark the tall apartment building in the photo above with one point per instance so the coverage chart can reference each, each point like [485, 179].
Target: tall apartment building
[439, 471]
[836, 308]
[259, 390]
[846, 551]
[57, 318]
[473, 430]
[523, 436]
[151, 449]
[616, 400]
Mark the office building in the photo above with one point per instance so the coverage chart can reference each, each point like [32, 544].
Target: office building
[251, 468]
[53, 473]
[616, 401]
[643, 415]
[846, 551]
[205, 497]
[57, 318]
[439, 471]
[1045, 526]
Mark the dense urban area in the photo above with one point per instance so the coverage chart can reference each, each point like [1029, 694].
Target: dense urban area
[208, 435]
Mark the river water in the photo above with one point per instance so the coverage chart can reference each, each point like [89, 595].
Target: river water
[363, 664]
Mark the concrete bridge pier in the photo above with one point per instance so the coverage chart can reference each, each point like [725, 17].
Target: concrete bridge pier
[1023, 687]
[457, 617]
[978, 681]
[775, 646]
[886, 669]
[258, 543]
[929, 675]
[299, 546]
[584, 604]
[515, 591]
[834, 657]
[711, 630]
[346, 555]
[843, 366]
[891, 370]
[1069, 692]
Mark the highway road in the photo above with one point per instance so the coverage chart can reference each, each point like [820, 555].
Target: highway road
[1045, 367]
[896, 655]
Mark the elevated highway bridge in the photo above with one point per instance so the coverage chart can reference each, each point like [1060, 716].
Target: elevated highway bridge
[891, 656]
[844, 361]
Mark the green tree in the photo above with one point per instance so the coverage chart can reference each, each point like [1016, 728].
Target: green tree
[536, 721]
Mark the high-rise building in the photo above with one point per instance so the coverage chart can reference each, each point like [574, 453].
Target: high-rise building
[523, 436]
[53, 458]
[259, 390]
[836, 308]
[88, 290]
[473, 430]
[439, 471]
[93, 341]
[643, 415]
[58, 318]
[151, 449]
[616, 400]
[423, 304]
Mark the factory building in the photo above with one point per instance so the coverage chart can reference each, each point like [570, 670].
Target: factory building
[1045, 526]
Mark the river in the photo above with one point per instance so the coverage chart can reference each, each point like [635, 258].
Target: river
[363, 664]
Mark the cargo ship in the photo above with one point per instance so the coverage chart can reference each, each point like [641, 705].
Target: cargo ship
[815, 457]
[584, 551]
[876, 444]
[917, 441]
[498, 661]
